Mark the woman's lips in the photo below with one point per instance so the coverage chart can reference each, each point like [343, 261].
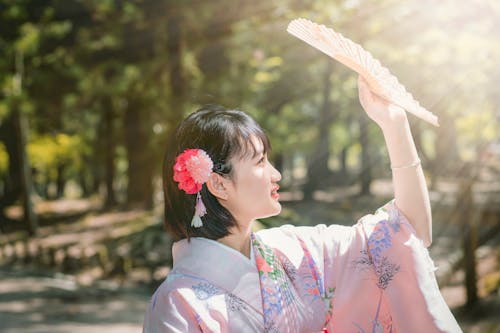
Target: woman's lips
[274, 192]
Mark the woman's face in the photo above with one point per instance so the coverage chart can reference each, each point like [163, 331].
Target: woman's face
[253, 189]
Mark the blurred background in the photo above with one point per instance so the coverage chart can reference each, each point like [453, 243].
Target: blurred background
[91, 89]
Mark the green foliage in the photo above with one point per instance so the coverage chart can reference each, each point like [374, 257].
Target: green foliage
[29, 40]
[4, 110]
[84, 60]
[47, 153]
[4, 160]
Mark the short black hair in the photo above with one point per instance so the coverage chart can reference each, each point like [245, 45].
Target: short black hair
[222, 134]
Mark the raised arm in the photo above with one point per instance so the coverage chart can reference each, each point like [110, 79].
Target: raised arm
[410, 189]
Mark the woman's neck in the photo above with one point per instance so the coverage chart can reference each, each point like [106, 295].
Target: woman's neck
[239, 239]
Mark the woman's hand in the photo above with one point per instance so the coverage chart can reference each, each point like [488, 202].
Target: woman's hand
[385, 114]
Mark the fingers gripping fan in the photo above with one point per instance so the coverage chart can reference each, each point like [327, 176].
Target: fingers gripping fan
[352, 55]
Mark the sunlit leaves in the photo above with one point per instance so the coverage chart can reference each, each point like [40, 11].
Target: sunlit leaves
[476, 127]
[4, 160]
[29, 38]
[47, 152]
[102, 9]
[267, 70]
[58, 29]
[105, 41]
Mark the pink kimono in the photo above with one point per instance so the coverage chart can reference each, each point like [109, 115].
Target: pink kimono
[375, 276]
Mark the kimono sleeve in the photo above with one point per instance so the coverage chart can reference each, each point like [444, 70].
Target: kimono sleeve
[169, 312]
[379, 275]
[404, 272]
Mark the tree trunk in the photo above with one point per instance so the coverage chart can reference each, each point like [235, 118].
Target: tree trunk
[140, 169]
[21, 130]
[109, 153]
[366, 172]
[83, 178]
[60, 181]
[177, 82]
[343, 172]
[12, 187]
[214, 62]
[82, 181]
[447, 157]
[317, 168]
[465, 204]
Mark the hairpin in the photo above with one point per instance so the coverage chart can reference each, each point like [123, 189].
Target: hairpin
[191, 170]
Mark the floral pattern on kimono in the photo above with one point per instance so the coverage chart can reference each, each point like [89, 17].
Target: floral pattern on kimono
[384, 269]
[377, 274]
[374, 276]
[282, 299]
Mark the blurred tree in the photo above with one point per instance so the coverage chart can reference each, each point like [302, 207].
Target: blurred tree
[21, 44]
[119, 75]
[317, 168]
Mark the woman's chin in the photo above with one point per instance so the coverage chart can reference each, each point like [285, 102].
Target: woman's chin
[274, 212]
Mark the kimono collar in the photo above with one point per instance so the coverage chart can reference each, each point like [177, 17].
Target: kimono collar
[220, 265]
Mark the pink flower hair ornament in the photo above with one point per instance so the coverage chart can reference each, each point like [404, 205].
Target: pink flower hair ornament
[191, 170]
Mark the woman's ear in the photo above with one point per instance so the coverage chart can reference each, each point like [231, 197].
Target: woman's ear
[216, 184]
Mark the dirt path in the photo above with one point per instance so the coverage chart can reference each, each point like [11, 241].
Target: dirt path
[31, 303]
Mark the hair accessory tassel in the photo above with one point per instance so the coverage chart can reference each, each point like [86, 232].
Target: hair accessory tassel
[199, 211]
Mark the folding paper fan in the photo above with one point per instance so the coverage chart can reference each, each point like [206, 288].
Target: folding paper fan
[380, 80]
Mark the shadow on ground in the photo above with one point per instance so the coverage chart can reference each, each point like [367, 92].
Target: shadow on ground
[31, 302]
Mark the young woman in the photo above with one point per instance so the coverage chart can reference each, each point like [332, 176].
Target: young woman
[375, 276]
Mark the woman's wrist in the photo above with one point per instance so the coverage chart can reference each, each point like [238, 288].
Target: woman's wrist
[400, 145]
[416, 163]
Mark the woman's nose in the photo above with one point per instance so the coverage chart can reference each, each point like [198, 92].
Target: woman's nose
[276, 175]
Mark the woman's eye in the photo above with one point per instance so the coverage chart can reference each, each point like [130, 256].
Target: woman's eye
[262, 160]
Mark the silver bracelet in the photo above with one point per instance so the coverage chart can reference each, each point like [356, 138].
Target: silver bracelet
[414, 164]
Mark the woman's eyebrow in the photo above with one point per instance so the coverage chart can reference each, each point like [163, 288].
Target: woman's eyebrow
[258, 153]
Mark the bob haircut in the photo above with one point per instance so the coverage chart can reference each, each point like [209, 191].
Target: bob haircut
[223, 134]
